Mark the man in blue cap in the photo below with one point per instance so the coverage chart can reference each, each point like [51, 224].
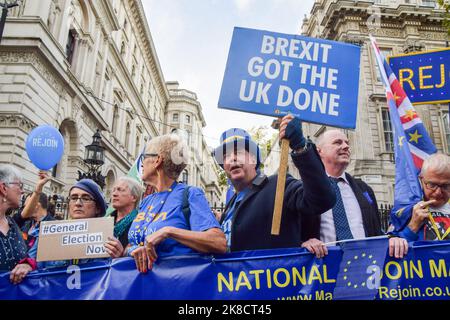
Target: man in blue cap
[247, 219]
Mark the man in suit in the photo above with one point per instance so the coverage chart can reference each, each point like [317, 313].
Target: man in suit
[247, 218]
[355, 214]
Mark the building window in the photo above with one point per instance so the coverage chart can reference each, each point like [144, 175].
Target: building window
[188, 138]
[70, 47]
[54, 170]
[137, 149]
[387, 131]
[127, 136]
[386, 53]
[429, 3]
[175, 117]
[184, 177]
[446, 120]
[115, 119]
[188, 119]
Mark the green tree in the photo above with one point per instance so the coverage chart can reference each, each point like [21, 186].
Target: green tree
[263, 136]
[444, 4]
[222, 178]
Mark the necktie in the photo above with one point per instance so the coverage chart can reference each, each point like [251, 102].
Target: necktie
[341, 225]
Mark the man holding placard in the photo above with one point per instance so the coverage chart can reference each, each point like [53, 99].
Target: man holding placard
[247, 219]
[277, 74]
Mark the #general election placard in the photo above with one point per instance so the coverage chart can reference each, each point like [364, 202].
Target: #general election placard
[74, 239]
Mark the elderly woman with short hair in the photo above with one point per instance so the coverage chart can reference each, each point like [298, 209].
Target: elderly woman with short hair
[163, 227]
[13, 250]
[126, 195]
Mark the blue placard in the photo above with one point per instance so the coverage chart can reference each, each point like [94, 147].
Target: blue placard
[425, 76]
[275, 74]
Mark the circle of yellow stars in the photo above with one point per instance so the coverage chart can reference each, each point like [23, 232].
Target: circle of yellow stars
[349, 262]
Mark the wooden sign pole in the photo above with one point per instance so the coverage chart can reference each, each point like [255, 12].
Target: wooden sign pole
[281, 182]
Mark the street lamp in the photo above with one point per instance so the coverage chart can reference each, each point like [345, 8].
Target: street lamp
[6, 5]
[94, 158]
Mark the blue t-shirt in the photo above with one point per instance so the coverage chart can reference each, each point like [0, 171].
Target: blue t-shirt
[226, 224]
[163, 209]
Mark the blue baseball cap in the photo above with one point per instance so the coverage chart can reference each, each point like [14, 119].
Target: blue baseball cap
[94, 190]
[236, 138]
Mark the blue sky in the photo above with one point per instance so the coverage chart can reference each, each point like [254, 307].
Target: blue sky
[192, 39]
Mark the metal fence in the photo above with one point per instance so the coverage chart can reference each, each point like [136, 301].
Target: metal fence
[384, 211]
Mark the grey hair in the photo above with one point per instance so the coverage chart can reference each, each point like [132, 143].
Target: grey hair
[9, 173]
[174, 152]
[321, 138]
[135, 187]
[438, 162]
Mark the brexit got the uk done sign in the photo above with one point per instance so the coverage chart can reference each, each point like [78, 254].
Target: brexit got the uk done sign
[275, 74]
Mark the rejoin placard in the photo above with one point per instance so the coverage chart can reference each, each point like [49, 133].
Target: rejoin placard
[275, 74]
[425, 76]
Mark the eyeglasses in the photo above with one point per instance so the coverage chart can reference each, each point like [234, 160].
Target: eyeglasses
[19, 184]
[84, 199]
[147, 155]
[433, 186]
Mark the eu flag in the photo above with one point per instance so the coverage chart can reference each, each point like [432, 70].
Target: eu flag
[360, 270]
[412, 144]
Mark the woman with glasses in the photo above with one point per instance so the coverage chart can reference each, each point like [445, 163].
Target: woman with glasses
[13, 250]
[175, 219]
[86, 201]
[428, 219]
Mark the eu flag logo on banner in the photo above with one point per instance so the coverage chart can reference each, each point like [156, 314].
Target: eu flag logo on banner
[360, 270]
[412, 144]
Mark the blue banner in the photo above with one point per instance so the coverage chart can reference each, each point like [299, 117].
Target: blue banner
[275, 74]
[358, 270]
[425, 76]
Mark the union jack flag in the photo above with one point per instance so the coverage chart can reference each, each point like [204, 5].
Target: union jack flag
[412, 144]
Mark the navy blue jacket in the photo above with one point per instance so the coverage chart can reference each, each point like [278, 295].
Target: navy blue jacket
[252, 220]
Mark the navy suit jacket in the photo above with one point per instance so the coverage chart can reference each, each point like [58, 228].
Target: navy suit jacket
[252, 220]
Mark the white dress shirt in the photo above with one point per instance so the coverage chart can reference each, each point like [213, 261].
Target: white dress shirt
[353, 211]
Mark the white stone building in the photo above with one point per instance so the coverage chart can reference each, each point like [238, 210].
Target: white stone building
[185, 116]
[80, 66]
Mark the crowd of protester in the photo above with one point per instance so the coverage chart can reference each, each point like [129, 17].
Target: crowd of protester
[326, 206]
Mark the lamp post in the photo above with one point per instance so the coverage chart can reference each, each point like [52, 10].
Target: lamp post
[6, 5]
[94, 158]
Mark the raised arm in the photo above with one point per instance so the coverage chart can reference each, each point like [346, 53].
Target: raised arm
[27, 211]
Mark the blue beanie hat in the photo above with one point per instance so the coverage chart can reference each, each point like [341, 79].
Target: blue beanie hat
[236, 138]
[94, 190]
